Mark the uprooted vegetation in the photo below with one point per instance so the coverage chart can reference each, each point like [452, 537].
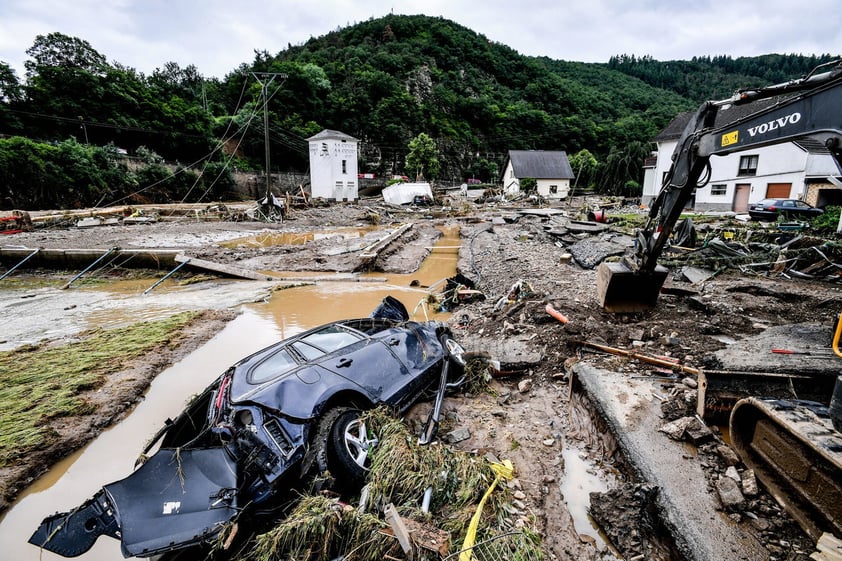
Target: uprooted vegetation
[323, 527]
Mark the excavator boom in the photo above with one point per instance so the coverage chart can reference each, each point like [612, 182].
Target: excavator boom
[810, 107]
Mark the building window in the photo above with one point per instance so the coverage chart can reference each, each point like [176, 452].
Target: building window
[553, 189]
[512, 173]
[344, 166]
[718, 190]
[748, 165]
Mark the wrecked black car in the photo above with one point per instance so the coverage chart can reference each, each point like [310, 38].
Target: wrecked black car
[284, 414]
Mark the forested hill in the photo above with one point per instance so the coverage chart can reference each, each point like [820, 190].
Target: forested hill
[707, 78]
[387, 79]
[383, 81]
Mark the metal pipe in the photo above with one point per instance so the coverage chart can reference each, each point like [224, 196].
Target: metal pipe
[165, 277]
[25, 259]
[91, 266]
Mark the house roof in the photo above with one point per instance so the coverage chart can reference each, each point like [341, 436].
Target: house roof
[541, 164]
[725, 115]
[332, 135]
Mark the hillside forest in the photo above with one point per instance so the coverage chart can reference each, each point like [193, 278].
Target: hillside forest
[77, 130]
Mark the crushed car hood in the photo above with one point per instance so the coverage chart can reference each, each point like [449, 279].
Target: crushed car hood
[175, 498]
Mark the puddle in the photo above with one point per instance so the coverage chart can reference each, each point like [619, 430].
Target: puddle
[267, 317]
[579, 480]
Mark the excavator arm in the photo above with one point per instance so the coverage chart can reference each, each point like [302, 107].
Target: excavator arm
[810, 107]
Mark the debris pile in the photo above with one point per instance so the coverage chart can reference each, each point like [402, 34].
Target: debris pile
[420, 497]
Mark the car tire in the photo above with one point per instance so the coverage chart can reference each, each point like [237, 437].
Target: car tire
[344, 442]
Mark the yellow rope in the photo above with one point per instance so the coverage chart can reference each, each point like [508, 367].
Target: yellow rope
[503, 470]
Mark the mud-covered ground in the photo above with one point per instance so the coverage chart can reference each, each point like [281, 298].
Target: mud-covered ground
[520, 267]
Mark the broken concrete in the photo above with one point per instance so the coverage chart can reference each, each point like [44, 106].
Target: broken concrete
[684, 503]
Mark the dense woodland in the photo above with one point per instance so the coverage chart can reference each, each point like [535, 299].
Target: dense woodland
[65, 124]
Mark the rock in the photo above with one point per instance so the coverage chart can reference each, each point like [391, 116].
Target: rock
[698, 432]
[519, 495]
[749, 483]
[677, 428]
[636, 334]
[690, 382]
[728, 455]
[670, 341]
[732, 473]
[672, 409]
[548, 441]
[524, 385]
[458, 435]
[729, 493]
[760, 524]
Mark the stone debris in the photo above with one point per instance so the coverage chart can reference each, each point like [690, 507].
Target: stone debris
[729, 493]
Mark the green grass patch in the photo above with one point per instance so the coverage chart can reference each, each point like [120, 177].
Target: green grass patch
[41, 383]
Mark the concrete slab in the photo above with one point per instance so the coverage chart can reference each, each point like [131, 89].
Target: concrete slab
[810, 343]
[689, 510]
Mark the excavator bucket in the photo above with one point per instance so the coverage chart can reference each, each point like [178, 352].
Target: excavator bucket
[620, 289]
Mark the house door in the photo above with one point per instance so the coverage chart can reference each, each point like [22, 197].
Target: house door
[778, 190]
[741, 192]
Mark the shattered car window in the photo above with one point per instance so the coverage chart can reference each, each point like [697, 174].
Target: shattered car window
[272, 367]
[331, 338]
[369, 326]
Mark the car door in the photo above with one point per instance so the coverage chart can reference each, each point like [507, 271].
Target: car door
[360, 359]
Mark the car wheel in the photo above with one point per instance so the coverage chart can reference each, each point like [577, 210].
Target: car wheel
[346, 443]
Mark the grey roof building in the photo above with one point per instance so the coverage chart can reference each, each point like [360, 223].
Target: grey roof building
[551, 169]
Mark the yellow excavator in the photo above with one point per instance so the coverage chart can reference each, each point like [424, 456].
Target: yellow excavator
[794, 447]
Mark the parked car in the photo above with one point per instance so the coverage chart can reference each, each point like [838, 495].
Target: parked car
[771, 209]
[285, 413]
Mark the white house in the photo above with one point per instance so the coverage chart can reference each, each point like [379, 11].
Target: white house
[333, 166]
[550, 169]
[791, 170]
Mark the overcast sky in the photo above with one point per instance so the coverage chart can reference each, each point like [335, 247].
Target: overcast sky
[219, 35]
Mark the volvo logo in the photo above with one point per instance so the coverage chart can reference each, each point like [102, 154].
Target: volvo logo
[774, 124]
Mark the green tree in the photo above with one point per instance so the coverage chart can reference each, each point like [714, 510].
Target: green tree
[11, 94]
[423, 157]
[59, 50]
[585, 167]
[528, 184]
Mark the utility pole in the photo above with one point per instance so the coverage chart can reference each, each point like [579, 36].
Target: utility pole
[84, 129]
[264, 79]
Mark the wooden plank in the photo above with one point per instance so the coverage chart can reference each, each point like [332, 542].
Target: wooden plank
[220, 268]
[374, 249]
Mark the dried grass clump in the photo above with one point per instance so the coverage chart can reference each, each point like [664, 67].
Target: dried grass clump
[322, 528]
[402, 470]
